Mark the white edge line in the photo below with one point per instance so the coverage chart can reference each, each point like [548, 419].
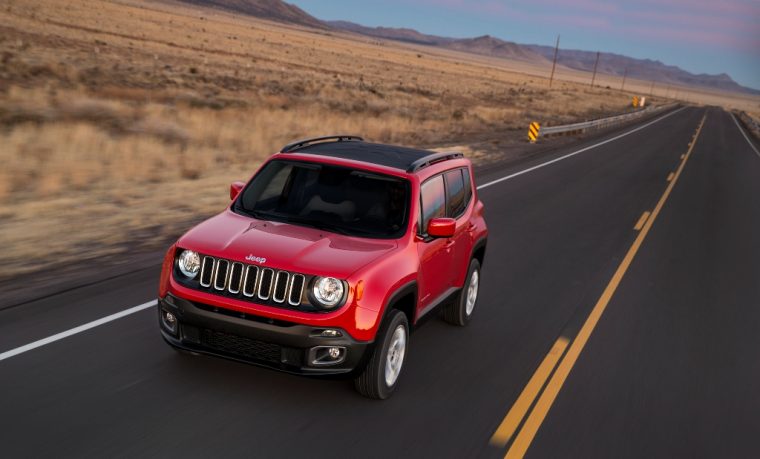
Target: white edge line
[75, 330]
[525, 171]
[744, 134]
[132, 310]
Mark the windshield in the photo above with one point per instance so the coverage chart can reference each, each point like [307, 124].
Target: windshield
[336, 199]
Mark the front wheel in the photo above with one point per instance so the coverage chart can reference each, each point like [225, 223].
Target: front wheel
[380, 378]
[459, 312]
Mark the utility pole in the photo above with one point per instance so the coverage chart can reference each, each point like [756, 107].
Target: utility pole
[554, 64]
[595, 64]
[625, 74]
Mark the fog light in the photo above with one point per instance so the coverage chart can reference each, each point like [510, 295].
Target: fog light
[327, 355]
[169, 321]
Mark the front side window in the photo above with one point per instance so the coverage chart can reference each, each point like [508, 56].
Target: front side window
[433, 201]
[337, 199]
[445, 195]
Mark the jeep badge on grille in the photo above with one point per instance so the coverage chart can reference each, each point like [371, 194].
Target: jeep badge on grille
[255, 259]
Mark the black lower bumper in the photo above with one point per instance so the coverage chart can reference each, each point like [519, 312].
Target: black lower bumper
[284, 346]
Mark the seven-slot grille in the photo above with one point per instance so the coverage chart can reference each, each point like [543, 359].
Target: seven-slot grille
[252, 282]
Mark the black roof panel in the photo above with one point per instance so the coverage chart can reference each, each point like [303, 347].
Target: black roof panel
[375, 153]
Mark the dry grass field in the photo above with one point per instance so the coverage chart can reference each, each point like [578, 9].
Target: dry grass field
[122, 122]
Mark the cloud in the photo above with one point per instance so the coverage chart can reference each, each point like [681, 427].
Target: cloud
[698, 26]
[746, 8]
[725, 23]
[695, 37]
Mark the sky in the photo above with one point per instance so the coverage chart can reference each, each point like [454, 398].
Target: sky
[700, 36]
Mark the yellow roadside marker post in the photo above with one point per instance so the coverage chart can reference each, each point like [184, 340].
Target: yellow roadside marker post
[533, 131]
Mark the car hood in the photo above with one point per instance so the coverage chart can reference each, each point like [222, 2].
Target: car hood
[283, 246]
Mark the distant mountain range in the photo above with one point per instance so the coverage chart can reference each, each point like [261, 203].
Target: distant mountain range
[485, 45]
[643, 69]
[609, 63]
[274, 10]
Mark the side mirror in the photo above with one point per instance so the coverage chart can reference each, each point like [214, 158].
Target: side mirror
[235, 189]
[441, 227]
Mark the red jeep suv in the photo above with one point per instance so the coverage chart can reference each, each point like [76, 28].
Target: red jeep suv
[325, 259]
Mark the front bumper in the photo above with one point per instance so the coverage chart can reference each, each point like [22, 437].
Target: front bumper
[276, 344]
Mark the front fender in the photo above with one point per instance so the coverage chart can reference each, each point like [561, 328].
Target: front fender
[378, 285]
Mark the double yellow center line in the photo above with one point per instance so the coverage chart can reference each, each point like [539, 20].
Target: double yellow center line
[563, 355]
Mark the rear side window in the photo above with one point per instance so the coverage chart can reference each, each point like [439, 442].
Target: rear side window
[467, 187]
[433, 200]
[455, 194]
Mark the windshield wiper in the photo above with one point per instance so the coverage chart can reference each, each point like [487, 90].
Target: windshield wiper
[257, 214]
[316, 224]
[269, 216]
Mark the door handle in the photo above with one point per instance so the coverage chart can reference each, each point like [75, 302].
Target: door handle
[472, 227]
[449, 243]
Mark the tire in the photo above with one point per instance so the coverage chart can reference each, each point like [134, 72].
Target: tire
[459, 312]
[375, 382]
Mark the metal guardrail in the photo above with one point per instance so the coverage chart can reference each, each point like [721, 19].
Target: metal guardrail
[602, 122]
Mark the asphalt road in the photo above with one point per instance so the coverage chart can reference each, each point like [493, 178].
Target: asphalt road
[659, 360]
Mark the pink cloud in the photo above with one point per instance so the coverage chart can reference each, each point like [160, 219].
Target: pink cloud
[697, 21]
[696, 37]
[697, 26]
[594, 6]
[737, 7]
[528, 12]
[598, 23]
[725, 23]
[743, 7]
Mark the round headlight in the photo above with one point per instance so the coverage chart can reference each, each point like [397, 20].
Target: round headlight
[189, 263]
[328, 291]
